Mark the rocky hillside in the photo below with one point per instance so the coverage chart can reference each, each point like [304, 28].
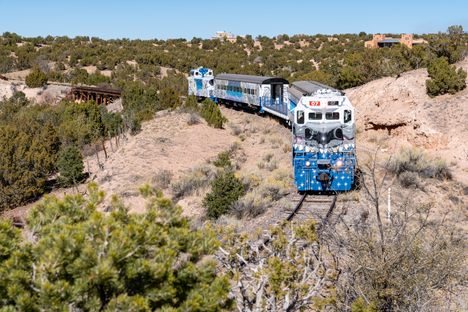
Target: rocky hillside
[400, 108]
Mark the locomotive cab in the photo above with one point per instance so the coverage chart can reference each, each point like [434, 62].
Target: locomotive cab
[201, 82]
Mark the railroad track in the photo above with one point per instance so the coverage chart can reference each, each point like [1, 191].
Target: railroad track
[318, 207]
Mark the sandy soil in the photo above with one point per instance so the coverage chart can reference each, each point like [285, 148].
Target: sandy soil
[49, 94]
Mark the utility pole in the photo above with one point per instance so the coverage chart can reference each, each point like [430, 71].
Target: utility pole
[389, 205]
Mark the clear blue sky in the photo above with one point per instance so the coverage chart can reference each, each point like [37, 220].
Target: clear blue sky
[201, 18]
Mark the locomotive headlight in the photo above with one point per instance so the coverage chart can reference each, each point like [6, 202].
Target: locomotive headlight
[339, 163]
[307, 163]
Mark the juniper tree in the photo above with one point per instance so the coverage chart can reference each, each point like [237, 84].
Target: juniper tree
[70, 166]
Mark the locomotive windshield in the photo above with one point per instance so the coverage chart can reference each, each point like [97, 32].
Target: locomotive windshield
[323, 137]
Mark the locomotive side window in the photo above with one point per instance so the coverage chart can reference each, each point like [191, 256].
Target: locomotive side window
[332, 116]
[347, 116]
[211, 82]
[300, 117]
[315, 116]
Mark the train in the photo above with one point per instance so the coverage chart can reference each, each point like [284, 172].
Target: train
[322, 120]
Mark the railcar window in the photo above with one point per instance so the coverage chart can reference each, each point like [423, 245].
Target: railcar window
[211, 82]
[300, 117]
[315, 116]
[332, 116]
[347, 116]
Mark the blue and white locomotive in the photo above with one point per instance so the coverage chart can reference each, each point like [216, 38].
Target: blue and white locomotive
[322, 120]
[201, 82]
[323, 127]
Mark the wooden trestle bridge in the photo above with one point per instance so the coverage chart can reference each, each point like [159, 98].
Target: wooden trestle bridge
[97, 94]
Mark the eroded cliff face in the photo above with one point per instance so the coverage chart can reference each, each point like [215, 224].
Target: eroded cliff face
[400, 109]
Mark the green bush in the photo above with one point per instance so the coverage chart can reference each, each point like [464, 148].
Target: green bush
[70, 166]
[169, 98]
[140, 102]
[191, 103]
[225, 190]
[36, 78]
[444, 78]
[212, 114]
[223, 160]
[26, 160]
[82, 259]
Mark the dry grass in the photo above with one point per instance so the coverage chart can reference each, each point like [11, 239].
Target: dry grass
[162, 179]
[250, 205]
[197, 178]
[235, 129]
[193, 119]
[419, 163]
[268, 162]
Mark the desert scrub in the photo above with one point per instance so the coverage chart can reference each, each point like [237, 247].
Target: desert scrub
[251, 181]
[415, 160]
[212, 114]
[197, 178]
[225, 190]
[409, 179]
[235, 129]
[162, 179]
[274, 189]
[223, 160]
[190, 104]
[251, 205]
[276, 141]
[193, 119]
[267, 162]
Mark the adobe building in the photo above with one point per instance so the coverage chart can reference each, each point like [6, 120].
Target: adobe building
[224, 36]
[380, 41]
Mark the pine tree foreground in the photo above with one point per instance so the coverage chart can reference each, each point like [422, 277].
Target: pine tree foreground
[73, 257]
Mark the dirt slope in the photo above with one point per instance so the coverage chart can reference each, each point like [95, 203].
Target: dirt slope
[400, 108]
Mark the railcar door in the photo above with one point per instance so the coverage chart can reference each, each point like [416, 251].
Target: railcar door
[277, 94]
